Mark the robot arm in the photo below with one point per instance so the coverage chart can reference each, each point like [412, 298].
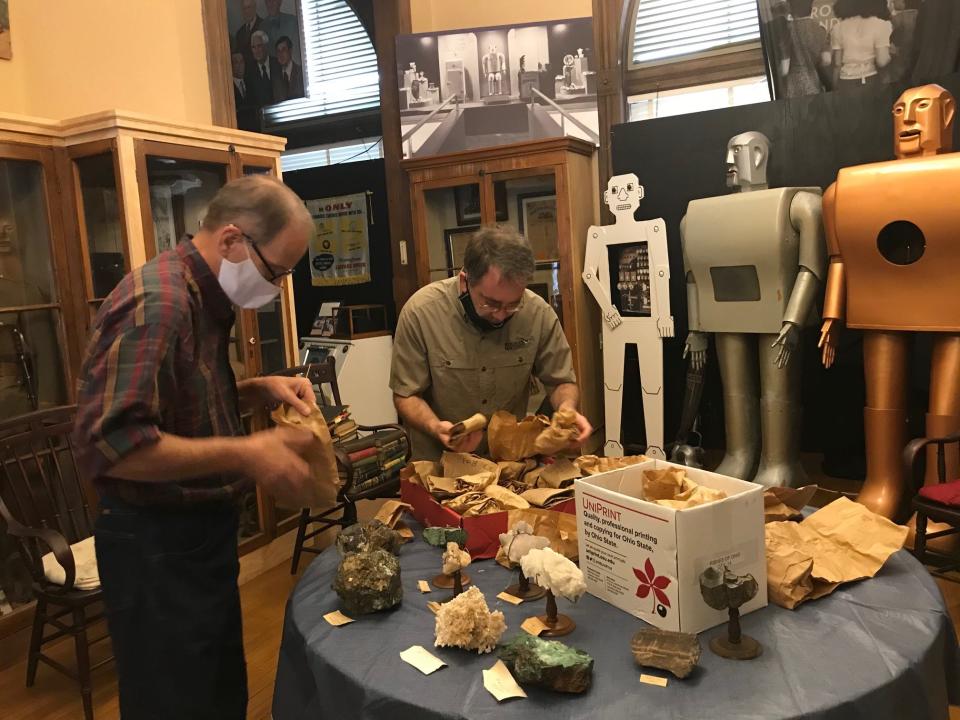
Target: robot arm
[594, 259]
[835, 302]
[696, 344]
[660, 278]
[806, 217]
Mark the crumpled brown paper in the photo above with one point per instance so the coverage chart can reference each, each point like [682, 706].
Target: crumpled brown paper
[322, 492]
[784, 503]
[474, 423]
[546, 497]
[839, 543]
[559, 528]
[672, 488]
[512, 474]
[457, 465]
[559, 435]
[593, 465]
[418, 472]
[514, 441]
[560, 473]
[507, 498]
[472, 504]
[391, 511]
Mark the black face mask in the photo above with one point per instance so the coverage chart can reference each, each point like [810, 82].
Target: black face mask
[473, 316]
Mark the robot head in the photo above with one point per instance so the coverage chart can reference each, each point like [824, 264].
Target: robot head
[623, 196]
[7, 237]
[747, 155]
[923, 122]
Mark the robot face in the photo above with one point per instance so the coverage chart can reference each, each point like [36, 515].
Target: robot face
[623, 195]
[7, 237]
[747, 155]
[923, 122]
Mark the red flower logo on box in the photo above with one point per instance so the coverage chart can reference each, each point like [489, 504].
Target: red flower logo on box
[649, 580]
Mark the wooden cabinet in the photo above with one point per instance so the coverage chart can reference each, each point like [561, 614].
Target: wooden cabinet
[546, 189]
[83, 201]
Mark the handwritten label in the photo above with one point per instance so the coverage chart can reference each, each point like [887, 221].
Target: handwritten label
[534, 626]
[337, 618]
[422, 659]
[500, 683]
[424, 586]
[653, 680]
[509, 598]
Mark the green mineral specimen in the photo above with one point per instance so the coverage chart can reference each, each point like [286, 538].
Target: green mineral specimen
[368, 582]
[440, 536]
[548, 663]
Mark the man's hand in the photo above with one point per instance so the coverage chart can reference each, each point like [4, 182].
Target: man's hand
[274, 459]
[297, 392]
[467, 444]
[583, 426]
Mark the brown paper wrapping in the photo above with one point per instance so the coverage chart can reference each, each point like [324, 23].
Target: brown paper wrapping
[322, 492]
[391, 511]
[558, 527]
[457, 465]
[672, 488]
[560, 474]
[513, 441]
[508, 499]
[546, 497]
[561, 433]
[593, 465]
[783, 503]
[472, 424]
[839, 543]
[419, 471]
[513, 473]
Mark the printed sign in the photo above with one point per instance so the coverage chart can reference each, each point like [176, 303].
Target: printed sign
[340, 251]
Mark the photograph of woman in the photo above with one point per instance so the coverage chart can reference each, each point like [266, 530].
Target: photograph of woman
[860, 42]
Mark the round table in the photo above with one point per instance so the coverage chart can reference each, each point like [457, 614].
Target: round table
[880, 648]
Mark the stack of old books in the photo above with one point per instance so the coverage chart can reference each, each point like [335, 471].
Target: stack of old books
[342, 427]
[375, 459]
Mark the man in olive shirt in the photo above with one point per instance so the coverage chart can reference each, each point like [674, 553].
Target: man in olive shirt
[471, 343]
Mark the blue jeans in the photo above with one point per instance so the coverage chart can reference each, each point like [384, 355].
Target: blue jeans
[169, 579]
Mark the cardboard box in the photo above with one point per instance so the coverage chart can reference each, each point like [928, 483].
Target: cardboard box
[624, 540]
[483, 531]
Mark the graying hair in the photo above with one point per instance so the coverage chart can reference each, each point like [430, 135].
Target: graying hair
[260, 205]
[260, 34]
[499, 247]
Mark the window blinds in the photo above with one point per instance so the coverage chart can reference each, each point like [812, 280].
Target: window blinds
[340, 65]
[676, 28]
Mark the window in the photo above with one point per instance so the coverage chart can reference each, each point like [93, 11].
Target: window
[340, 65]
[681, 28]
[699, 98]
[334, 154]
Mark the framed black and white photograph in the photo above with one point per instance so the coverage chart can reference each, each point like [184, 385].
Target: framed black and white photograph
[6, 48]
[815, 46]
[466, 199]
[537, 221]
[455, 241]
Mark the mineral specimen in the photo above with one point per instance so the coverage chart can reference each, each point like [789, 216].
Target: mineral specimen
[725, 590]
[548, 663]
[521, 540]
[368, 581]
[454, 559]
[466, 622]
[366, 537]
[440, 536]
[553, 571]
[674, 651]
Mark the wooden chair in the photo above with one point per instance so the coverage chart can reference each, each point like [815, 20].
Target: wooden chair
[44, 504]
[388, 485]
[928, 507]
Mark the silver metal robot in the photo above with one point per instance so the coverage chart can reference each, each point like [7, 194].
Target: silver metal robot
[755, 262]
[635, 306]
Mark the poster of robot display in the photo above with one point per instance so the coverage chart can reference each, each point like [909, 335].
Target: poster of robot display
[477, 87]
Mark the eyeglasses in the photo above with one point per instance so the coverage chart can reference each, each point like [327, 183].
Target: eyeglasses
[495, 307]
[274, 275]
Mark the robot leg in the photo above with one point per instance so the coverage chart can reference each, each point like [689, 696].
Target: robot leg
[737, 355]
[780, 416]
[650, 360]
[885, 421]
[613, 349]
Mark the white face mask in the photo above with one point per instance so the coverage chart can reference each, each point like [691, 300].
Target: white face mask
[244, 284]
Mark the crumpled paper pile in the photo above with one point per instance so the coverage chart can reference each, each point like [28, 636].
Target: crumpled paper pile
[841, 542]
[672, 488]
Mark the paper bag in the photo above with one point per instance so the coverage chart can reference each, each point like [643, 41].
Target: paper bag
[839, 543]
[457, 465]
[513, 441]
[560, 473]
[506, 498]
[322, 492]
[472, 424]
[391, 511]
[559, 435]
[545, 496]
[513, 473]
[418, 471]
[559, 528]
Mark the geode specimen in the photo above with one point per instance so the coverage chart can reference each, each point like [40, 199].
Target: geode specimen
[674, 651]
[373, 535]
[368, 581]
[547, 663]
[722, 590]
[466, 622]
[440, 536]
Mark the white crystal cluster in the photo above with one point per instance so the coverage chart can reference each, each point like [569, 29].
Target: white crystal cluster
[466, 622]
[521, 540]
[553, 571]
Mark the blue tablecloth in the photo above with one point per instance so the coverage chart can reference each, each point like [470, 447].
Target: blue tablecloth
[881, 648]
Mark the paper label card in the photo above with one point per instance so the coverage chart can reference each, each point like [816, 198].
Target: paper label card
[509, 598]
[423, 586]
[500, 683]
[534, 626]
[653, 680]
[433, 607]
[422, 659]
[337, 618]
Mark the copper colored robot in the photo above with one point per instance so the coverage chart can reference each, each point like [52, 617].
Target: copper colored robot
[892, 235]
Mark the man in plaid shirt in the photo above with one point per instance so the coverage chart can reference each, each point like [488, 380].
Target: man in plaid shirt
[158, 431]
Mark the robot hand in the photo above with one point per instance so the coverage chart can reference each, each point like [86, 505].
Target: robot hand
[829, 339]
[788, 340]
[665, 326]
[612, 318]
[696, 348]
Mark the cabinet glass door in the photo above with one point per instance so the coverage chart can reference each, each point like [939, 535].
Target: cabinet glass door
[101, 226]
[451, 215]
[528, 204]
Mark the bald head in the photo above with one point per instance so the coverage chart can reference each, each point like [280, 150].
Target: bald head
[260, 204]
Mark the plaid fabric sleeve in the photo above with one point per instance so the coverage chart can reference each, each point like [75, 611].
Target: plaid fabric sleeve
[121, 395]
